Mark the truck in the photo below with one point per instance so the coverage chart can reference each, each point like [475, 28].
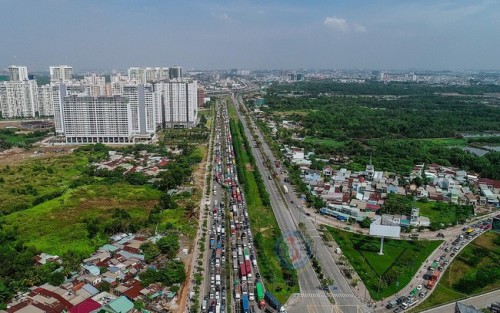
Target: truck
[237, 292]
[248, 266]
[432, 281]
[245, 305]
[217, 280]
[260, 295]
[246, 254]
[243, 271]
[273, 302]
[251, 293]
[285, 189]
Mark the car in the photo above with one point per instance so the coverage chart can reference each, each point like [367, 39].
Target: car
[308, 214]
[397, 310]
[291, 201]
[422, 294]
[452, 254]
[419, 287]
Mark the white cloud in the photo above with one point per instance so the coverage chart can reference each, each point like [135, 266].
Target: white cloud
[358, 28]
[341, 24]
[336, 23]
[224, 17]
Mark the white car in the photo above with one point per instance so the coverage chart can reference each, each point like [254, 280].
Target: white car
[419, 287]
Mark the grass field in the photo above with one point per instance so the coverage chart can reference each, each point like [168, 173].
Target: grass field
[445, 291]
[362, 253]
[325, 142]
[263, 221]
[21, 185]
[56, 226]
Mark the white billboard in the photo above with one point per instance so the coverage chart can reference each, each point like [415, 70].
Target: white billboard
[385, 230]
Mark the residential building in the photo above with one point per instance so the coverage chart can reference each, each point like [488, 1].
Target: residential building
[45, 100]
[107, 119]
[89, 119]
[61, 73]
[19, 99]
[142, 75]
[95, 85]
[177, 103]
[175, 72]
[18, 73]
[201, 96]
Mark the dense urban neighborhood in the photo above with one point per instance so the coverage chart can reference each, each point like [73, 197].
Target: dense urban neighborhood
[251, 192]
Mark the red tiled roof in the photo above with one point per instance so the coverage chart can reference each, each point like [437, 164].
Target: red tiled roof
[489, 182]
[372, 207]
[134, 291]
[47, 293]
[86, 306]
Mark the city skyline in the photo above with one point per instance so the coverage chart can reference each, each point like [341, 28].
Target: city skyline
[448, 35]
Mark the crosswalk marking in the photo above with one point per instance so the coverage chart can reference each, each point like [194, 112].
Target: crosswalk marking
[322, 295]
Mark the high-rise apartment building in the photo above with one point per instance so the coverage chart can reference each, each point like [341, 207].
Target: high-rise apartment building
[201, 96]
[142, 75]
[178, 103]
[126, 118]
[90, 119]
[175, 72]
[45, 101]
[18, 73]
[95, 85]
[19, 99]
[61, 73]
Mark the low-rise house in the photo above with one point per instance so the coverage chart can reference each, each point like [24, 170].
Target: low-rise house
[120, 305]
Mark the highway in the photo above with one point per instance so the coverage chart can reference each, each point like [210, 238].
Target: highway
[312, 298]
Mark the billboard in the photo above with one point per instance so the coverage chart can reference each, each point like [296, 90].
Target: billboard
[384, 230]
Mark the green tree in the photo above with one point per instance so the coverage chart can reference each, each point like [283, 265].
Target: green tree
[365, 223]
[150, 251]
[169, 244]
[56, 278]
[167, 202]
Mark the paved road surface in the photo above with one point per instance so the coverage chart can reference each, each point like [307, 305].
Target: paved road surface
[480, 301]
[288, 217]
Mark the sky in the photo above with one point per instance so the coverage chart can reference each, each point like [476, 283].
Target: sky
[257, 34]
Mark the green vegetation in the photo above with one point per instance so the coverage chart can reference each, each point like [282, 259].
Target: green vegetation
[379, 88]
[386, 274]
[13, 138]
[397, 131]
[441, 214]
[474, 270]
[279, 278]
[66, 206]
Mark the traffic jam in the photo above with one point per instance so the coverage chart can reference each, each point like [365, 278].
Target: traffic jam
[434, 270]
[231, 239]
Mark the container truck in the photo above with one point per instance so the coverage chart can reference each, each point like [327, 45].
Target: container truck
[273, 302]
[251, 294]
[243, 271]
[248, 268]
[260, 295]
[245, 305]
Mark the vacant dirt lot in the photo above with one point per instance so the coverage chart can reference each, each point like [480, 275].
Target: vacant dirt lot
[16, 155]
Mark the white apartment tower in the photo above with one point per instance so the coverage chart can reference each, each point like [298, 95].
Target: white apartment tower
[126, 118]
[18, 73]
[61, 73]
[142, 75]
[177, 103]
[90, 119]
[18, 99]
[45, 100]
